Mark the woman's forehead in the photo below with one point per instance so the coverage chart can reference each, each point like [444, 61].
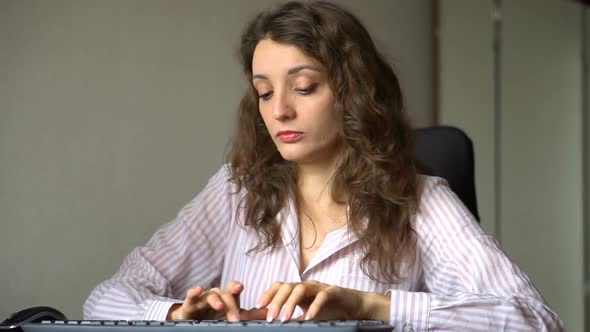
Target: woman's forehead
[272, 58]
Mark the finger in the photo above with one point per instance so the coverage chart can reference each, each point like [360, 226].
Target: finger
[191, 302]
[267, 296]
[297, 296]
[193, 294]
[232, 309]
[214, 300]
[318, 303]
[275, 305]
[235, 288]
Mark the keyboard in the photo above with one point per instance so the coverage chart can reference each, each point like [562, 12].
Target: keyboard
[200, 326]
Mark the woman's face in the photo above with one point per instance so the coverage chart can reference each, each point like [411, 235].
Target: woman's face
[296, 103]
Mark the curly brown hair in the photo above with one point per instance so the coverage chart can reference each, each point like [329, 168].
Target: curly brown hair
[377, 174]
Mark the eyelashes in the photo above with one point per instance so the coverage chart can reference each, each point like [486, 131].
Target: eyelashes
[307, 90]
[265, 96]
[301, 91]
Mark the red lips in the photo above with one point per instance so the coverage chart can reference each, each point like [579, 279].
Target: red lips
[289, 136]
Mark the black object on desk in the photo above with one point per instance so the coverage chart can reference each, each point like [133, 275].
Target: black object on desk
[47, 319]
[32, 315]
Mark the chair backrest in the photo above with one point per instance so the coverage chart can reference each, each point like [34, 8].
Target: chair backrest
[447, 152]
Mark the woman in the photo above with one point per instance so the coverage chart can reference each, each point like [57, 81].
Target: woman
[320, 212]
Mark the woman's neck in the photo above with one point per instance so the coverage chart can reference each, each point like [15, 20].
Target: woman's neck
[315, 183]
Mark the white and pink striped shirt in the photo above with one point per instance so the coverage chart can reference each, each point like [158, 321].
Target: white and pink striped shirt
[461, 279]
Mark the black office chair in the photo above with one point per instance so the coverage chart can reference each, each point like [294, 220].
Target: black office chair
[447, 152]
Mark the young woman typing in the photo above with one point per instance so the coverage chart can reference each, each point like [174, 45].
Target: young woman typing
[320, 212]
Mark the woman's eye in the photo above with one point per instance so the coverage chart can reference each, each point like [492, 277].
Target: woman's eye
[265, 96]
[308, 90]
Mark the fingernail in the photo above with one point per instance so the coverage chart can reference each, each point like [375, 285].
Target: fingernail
[284, 318]
[269, 316]
[258, 305]
[233, 317]
[307, 317]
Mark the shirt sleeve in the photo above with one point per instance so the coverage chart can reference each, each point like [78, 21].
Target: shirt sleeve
[182, 254]
[470, 284]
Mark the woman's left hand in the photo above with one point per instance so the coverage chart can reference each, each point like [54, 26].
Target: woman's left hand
[321, 301]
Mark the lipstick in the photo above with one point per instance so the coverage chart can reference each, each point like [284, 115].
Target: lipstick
[289, 136]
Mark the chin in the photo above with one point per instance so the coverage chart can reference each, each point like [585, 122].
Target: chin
[294, 155]
[291, 157]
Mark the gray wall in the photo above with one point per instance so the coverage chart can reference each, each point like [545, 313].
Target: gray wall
[529, 140]
[541, 144]
[113, 114]
[466, 88]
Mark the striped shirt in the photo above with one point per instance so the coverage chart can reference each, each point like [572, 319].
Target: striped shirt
[460, 279]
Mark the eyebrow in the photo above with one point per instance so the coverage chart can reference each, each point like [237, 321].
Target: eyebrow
[291, 71]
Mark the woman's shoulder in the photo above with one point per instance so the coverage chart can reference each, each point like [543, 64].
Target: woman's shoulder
[441, 211]
[220, 193]
[222, 180]
[436, 196]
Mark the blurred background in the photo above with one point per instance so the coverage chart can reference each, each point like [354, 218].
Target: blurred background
[114, 114]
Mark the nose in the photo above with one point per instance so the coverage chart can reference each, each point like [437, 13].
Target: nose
[282, 107]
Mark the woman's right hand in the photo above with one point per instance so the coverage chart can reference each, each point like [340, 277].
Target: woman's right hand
[214, 304]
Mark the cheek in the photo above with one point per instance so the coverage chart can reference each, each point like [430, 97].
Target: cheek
[331, 119]
[264, 114]
[328, 128]
[266, 121]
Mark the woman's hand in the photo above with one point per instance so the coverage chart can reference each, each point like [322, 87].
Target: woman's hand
[323, 302]
[214, 304]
